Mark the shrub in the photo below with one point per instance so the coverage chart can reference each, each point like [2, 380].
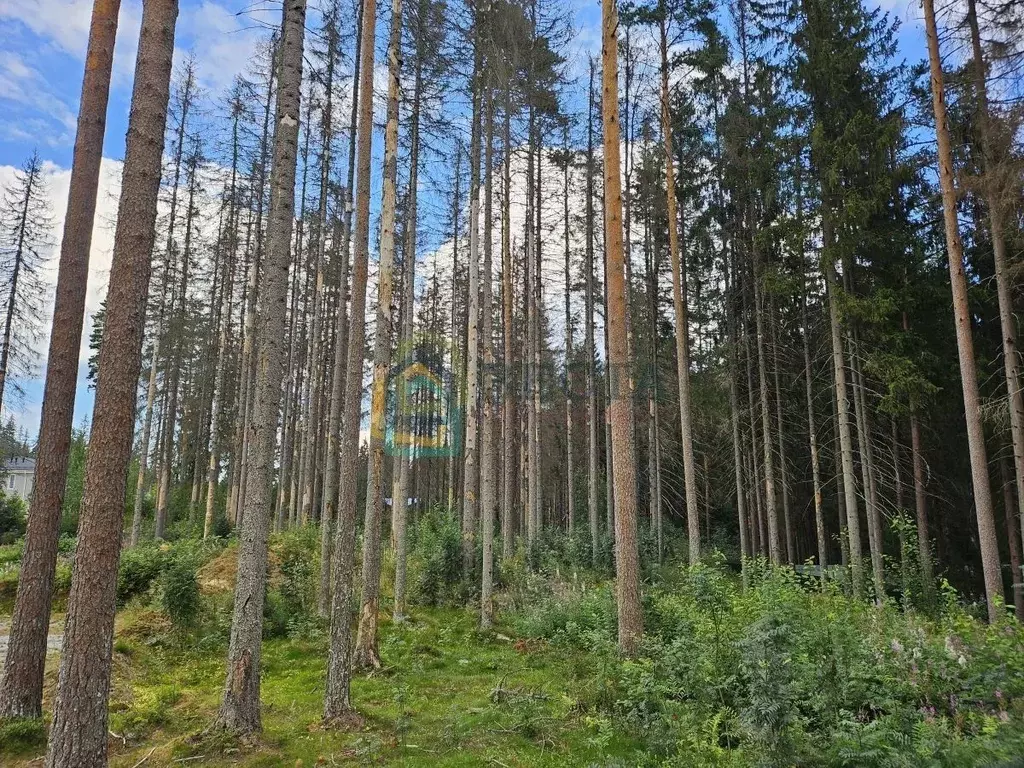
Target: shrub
[179, 591]
[435, 562]
[22, 735]
[140, 566]
[12, 518]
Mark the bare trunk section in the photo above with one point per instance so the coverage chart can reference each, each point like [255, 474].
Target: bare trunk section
[682, 317]
[21, 690]
[338, 699]
[240, 706]
[78, 735]
[627, 565]
[366, 653]
[965, 343]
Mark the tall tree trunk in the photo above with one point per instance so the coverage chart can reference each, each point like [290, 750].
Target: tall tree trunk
[338, 700]
[591, 351]
[965, 343]
[366, 653]
[627, 565]
[997, 232]
[403, 463]
[21, 687]
[509, 442]
[471, 473]
[78, 735]
[682, 316]
[570, 469]
[330, 522]
[240, 705]
[487, 468]
[842, 410]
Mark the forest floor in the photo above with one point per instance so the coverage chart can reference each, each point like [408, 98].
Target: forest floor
[447, 696]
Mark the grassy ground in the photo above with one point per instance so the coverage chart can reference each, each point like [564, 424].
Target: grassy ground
[449, 696]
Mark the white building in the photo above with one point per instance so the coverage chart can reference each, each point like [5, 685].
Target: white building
[18, 477]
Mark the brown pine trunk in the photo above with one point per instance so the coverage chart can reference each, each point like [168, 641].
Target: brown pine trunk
[78, 735]
[366, 653]
[338, 700]
[965, 343]
[240, 705]
[681, 311]
[509, 463]
[332, 473]
[592, 416]
[627, 567]
[21, 689]
[487, 468]
[1004, 282]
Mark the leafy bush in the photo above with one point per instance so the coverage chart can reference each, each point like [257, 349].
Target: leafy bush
[140, 567]
[179, 591]
[435, 561]
[22, 735]
[12, 518]
[789, 672]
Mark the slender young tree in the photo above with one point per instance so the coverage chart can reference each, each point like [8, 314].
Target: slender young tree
[983, 508]
[680, 303]
[626, 552]
[25, 223]
[338, 699]
[366, 653]
[240, 704]
[78, 735]
[21, 684]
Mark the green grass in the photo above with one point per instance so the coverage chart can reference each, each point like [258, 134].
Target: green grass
[448, 696]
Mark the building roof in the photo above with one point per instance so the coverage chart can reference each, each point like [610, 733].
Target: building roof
[18, 464]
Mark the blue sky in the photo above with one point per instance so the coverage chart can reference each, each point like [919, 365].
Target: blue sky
[42, 48]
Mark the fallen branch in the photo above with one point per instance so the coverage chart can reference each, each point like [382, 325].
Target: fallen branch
[148, 755]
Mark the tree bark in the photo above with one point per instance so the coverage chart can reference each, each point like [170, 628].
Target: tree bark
[79, 732]
[965, 343]
[366, 652]
[21, 688]
[240, 705]
[338, 700]
[626, 552]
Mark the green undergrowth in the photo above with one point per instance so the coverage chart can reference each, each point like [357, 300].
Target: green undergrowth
[786, 672]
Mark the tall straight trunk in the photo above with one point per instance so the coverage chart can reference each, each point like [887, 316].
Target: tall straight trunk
[21, 688]
[471, 473]
[787, 522]
[532, 482]
[812, 436]
[144, 443]
[487, 467]
[591, 351]
[309, 509]
[746, 548]
[679, 298]
[924, 545]
[760, 308]
[987, 540]
[240, 705]
[627, 566]
[509, 442]
[338, 700]
[1004, 283]
[536, 499]
[868, 473]
[329, 522]
[570, 469]
[78, 735]
[842, 402]
[219, 385]
[366, 653]
[404, 464]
